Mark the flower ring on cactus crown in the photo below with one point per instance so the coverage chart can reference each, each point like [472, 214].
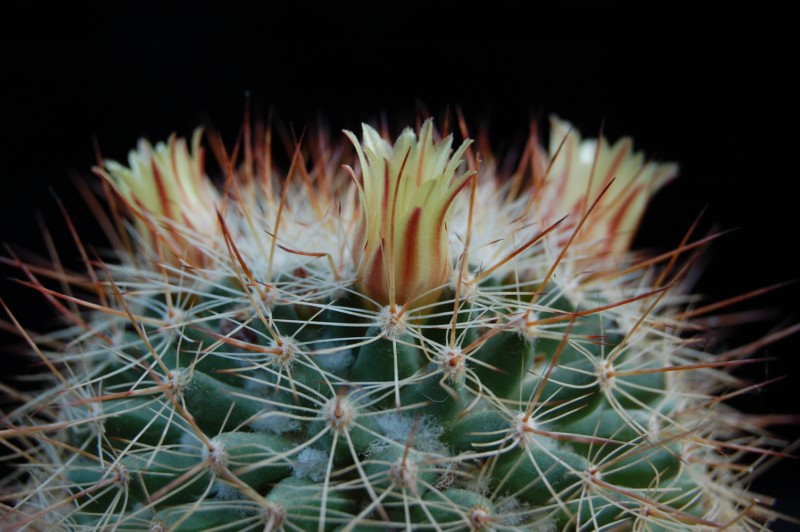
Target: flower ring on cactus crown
[167, 190]
[406, 191]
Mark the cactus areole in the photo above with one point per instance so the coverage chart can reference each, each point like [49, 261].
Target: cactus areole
[385, 334]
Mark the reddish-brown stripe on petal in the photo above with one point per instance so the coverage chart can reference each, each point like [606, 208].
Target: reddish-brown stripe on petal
[375, 281]
[386, 189]
[409, 262]
[201, 163]
[162, 191]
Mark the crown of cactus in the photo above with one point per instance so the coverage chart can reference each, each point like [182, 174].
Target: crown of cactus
[397, 338]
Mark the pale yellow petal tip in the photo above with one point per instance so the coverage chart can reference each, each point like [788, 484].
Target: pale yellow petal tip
[582, 169]
[406, 191]
[165, 187]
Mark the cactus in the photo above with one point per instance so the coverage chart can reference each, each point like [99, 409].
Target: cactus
[389, 336]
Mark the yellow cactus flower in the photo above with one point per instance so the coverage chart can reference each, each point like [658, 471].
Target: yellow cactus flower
[406, 191]
[167, 189]
[581, 169]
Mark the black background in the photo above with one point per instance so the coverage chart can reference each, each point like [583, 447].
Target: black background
[711, 91]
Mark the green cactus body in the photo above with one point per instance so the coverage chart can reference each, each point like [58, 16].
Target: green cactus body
[277, 368]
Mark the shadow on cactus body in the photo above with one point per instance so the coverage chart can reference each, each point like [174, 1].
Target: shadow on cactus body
[414, 342]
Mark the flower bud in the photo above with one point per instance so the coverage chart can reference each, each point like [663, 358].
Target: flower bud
[167, 190]
[406, 191]
[581, 170]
